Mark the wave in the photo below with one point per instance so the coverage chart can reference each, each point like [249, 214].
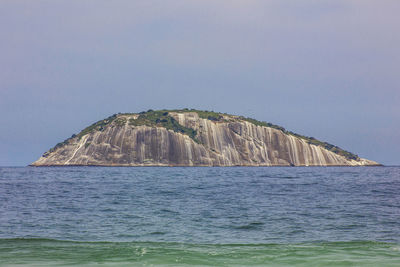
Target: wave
[39, 251]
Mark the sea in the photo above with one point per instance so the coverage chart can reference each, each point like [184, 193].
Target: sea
[200, 216]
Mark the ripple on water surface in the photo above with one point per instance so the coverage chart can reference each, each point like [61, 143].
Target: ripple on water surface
[194, 206]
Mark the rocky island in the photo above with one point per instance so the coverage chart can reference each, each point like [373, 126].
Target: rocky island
[193, 138]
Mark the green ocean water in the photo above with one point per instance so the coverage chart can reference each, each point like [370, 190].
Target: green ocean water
[46, 252]
[77, 216]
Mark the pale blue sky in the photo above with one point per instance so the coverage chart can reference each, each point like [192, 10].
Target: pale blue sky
[328, 69]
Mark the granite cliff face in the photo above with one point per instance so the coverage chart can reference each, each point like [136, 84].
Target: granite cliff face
[191, 138]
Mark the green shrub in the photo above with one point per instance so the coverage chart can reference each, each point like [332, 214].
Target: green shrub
[120, 121]
[162, 119]
[99, 126]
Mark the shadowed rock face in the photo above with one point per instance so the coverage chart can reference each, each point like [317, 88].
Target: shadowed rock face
[228, 142]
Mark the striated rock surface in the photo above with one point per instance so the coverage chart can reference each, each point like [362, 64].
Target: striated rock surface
[188, 138]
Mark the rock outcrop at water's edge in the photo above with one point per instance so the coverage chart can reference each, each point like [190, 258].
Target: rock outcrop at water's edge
[193, 138]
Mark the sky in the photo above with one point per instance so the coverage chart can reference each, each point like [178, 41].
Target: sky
[323, 68]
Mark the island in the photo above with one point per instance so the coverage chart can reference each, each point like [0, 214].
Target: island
[189, 137]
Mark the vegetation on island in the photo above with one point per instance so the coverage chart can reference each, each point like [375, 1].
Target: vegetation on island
[97, 126]
[204, 114]
[162, 118]
[310, 140]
